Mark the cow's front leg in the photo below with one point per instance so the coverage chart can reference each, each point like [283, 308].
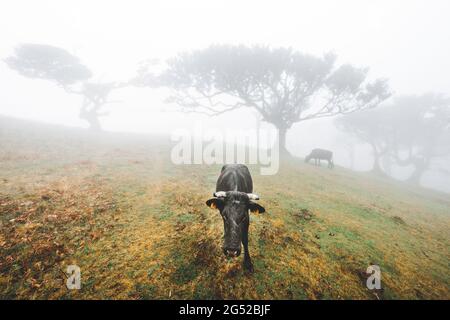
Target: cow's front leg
[248, 265]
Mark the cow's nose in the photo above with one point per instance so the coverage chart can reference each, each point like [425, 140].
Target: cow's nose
[232, 252]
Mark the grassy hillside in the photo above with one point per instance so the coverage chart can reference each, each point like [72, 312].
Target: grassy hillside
[138, 227]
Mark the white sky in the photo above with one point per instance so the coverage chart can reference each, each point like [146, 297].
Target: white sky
[406, 41]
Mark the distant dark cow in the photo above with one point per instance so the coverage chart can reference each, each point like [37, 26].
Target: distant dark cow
[233, 198]
[321, 154]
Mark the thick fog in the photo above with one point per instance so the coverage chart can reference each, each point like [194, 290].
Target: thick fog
[405, 42]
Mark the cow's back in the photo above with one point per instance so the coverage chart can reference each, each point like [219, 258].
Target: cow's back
[235, 177]
[322, 154]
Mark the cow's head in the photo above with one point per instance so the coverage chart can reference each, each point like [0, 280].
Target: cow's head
[233, 207]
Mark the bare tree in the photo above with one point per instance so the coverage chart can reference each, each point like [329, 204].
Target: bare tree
[95, 96]
[371, 127]
[411, 131]
[421, 132]
[283, 85]
[38, 61]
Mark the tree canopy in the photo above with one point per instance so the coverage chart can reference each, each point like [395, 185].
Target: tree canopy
[283, 85]
[47, 62]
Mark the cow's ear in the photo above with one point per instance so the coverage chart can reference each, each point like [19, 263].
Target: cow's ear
[256, 208]
[215, 203]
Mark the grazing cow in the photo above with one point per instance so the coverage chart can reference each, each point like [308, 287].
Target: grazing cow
[233, 198]
[321, 154]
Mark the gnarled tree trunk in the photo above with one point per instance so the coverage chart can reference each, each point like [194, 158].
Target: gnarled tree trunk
[92, 117]
[421, 165]
[376, 168]
[282, 140]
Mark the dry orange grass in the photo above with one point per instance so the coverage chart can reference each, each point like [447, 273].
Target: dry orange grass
[139, 229]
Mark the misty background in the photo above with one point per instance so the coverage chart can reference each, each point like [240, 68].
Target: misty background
[403, 41]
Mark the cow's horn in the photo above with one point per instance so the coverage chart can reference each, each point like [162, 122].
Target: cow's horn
[220, 194]
[253, 196]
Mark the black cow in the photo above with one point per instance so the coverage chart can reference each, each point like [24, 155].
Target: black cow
[321, 154]
[233, 198]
